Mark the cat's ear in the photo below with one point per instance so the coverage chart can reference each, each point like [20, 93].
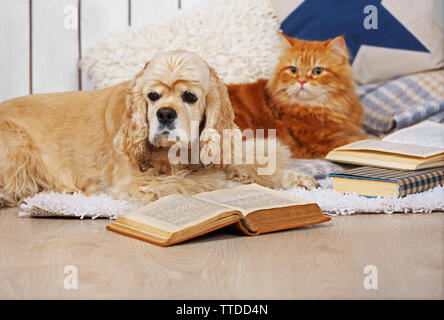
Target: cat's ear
[338, 46]
[286, 40]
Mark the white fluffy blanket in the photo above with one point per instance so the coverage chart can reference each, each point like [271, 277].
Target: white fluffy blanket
[331, 202]
[337, 203]
[248, 50]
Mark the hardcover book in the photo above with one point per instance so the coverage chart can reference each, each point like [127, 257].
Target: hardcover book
[417, 147]
[252, 209]
[372, 182]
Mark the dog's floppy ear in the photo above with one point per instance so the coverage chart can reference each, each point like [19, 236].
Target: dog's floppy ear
[218, 112]
[132, 137]
[219, 115]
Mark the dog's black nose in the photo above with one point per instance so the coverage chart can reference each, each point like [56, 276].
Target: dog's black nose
[166, 115]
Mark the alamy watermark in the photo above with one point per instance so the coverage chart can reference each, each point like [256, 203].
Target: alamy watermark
[371, 20]
[232, 147]
[71, 281]
[371, 278]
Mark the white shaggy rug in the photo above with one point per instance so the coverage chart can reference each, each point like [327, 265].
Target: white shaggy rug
[331, 202]
[248, 50]
[336, 203]
[74, 205]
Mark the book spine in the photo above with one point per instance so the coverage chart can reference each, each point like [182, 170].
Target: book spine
[420, 183]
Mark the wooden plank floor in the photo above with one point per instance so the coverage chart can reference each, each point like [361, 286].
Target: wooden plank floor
[321, 262]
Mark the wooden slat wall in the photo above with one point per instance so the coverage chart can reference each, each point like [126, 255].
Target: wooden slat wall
[14, 53]
[55, 45]
[43, 40]
[98, 18]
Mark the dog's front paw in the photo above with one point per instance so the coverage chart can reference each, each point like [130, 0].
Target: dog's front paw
[292, 179]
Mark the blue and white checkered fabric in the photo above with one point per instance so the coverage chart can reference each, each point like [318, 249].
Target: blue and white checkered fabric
[403, 101]
[320, 169]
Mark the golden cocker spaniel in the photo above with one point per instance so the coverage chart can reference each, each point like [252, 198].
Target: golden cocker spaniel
[118, 140]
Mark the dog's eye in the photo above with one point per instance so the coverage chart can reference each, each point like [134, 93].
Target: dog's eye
[189, 97]
[153, 96]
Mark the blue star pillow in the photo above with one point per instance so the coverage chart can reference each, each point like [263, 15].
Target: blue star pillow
[386, 38]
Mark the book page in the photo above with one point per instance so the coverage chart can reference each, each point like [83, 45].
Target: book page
[392, 147]
[426, 134]
[251, 198]
[176, 212]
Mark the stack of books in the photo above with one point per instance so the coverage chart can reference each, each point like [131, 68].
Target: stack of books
[408, 161]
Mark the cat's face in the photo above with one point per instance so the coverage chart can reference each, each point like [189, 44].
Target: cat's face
[310, 72]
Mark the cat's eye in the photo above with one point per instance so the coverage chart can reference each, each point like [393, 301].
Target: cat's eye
[189, 97]
[317, 71]
[293, 69]
[153, 96]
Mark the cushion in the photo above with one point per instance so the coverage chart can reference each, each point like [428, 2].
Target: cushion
[387, 39]
[238, 38]
[403, 101]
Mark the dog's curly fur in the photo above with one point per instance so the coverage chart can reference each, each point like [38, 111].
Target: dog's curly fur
[100, 141]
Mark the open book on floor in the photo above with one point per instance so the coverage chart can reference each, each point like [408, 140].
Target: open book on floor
[417, 147]
[251, 208]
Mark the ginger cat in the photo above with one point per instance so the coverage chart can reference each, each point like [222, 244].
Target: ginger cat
[310, 99]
